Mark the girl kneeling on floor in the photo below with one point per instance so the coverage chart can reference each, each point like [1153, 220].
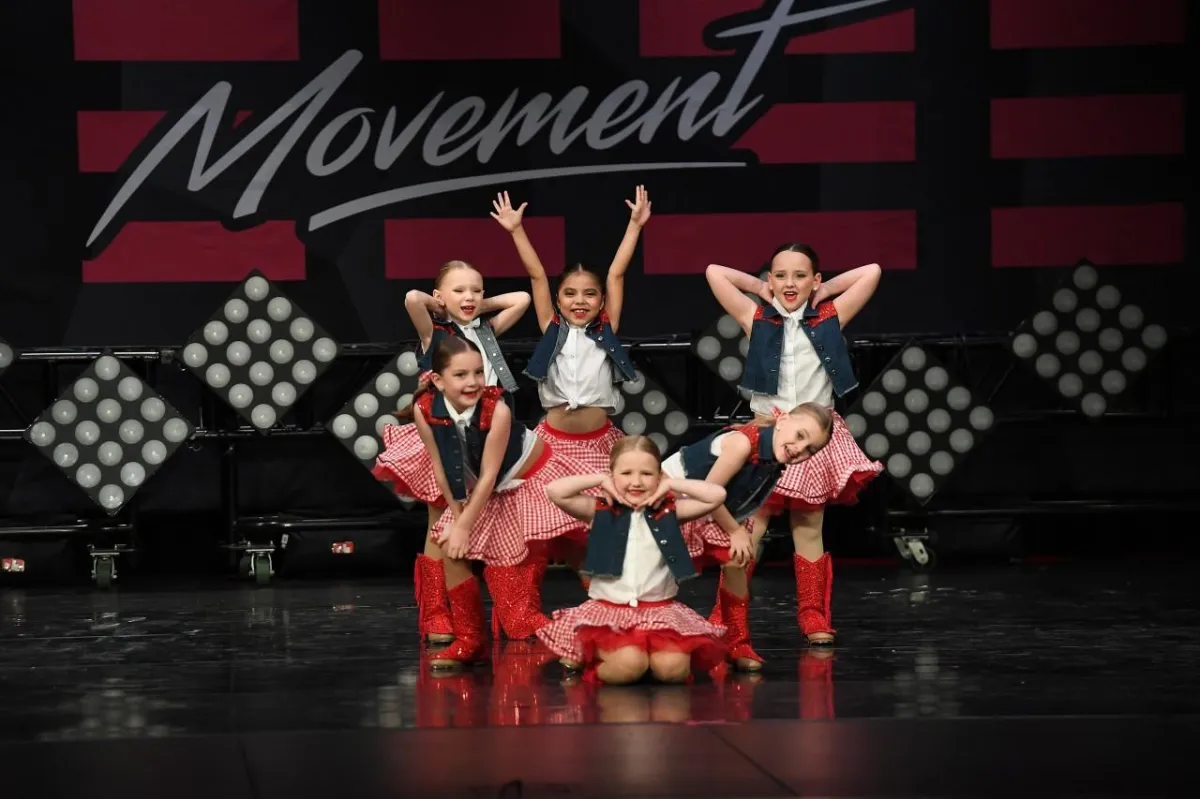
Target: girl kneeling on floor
[636, 556]
[493, 474]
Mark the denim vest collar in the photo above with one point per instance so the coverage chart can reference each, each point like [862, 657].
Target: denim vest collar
[820, 324]
[608, 539]
[598, 330]
[487, 337]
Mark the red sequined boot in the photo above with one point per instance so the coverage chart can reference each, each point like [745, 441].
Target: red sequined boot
[715, 616]
[516, 598]
[433, 608]
[814, 584]
[466, 612]
[735, 610]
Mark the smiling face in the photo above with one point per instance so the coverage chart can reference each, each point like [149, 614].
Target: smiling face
[461, 380]
[636, 474]
[792, 279]
[798, 437]
[580, 298]
[460, 291]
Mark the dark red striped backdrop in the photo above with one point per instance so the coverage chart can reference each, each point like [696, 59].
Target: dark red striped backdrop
[942, 140]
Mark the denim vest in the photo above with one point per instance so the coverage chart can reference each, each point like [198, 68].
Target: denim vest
[491, 350]
[599, 331]
[609, 538]
[432, 406]
[753, 483]
[766, 346]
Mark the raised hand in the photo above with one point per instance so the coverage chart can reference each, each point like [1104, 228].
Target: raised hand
[639, 208]
[509, 217]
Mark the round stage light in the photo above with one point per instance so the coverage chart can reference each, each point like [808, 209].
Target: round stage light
[93, 432]
[7, 356]
[728, 327]
[634, 423]
[708, 348]
[730, 369]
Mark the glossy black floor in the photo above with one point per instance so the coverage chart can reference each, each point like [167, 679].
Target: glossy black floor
[1067, 679]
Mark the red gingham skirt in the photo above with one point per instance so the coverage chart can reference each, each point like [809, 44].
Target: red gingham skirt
[513, 520]
[591, 449]
[406, 464]
[834, 475]
[707, 543]
[577, 634]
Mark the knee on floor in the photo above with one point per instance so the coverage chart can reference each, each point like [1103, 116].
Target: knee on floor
[625, 665]
[670, 666]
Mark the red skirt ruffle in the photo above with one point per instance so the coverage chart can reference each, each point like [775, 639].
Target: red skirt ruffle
[406, 464]
[512, 521]
[591, 449]
[577, 634]
[835, 475]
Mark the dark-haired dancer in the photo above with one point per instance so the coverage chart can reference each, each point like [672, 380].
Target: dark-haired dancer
[797, 354]
[580, 361]
[492, 473]
[456, 308]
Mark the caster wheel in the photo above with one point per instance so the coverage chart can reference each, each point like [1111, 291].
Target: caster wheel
[244, 568]
[924, 558]
[262, 571]
[104, 573]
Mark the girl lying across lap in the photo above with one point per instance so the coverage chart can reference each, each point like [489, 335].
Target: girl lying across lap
[636, 556]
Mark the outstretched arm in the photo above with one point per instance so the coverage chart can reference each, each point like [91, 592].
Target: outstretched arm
[730, 287]
[567, 493]
[614, 291]
[511, 307]
[851, 290]
[421, 307]
[510, 219]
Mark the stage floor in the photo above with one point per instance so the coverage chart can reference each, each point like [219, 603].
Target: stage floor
[1068, 679]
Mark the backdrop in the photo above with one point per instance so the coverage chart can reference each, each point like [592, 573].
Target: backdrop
[155, 152]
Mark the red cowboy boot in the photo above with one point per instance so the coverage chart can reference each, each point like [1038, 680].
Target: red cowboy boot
[735, 610]
[433, 609]
[814, 584]
[516, 598]
[816, 685]
[715, 616]
[466, 612]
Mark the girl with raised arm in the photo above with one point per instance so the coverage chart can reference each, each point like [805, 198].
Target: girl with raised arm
[748, 460]
[797, 354]
[457, 308]
[636, 556]
[492, 473]
[579, 361]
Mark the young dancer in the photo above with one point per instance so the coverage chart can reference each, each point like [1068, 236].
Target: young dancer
[492, 473]
[636, 556]
[797, 354]
[456, 308]
[579, 361]
[748, 460]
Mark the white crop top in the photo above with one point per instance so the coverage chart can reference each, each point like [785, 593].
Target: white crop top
[580, 376]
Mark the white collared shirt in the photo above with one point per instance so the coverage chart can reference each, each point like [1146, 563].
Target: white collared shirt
[472, 334]
[505, 482]
[645, 576]
[580, 376]
[802, 378]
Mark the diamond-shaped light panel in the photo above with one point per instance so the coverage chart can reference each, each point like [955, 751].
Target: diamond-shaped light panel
[359, 423]
[722, 348]
[643, 408]
[919, 421]
[1088, 344]
[109, 432]
[260, 352]
[7, 356]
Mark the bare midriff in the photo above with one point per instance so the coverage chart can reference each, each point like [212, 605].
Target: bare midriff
[578, 420]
